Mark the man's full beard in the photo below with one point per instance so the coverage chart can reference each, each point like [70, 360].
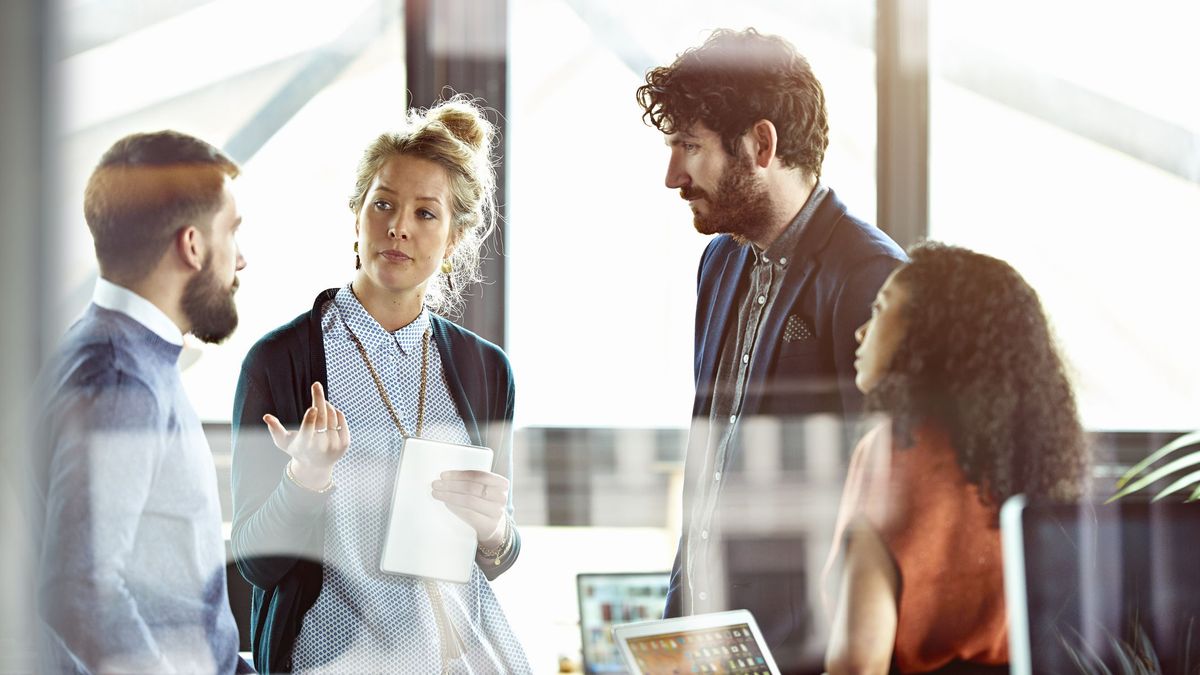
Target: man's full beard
[741, 206]
[209, 307]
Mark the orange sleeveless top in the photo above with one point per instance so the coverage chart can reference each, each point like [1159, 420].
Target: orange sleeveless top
[945, 543]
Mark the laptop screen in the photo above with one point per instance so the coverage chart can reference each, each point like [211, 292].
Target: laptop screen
[609, 599]
[715, 642]
[723, 649]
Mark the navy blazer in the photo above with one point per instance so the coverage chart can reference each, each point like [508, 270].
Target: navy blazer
[836, 269]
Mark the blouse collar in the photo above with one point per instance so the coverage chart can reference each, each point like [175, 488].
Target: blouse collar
[357, 319]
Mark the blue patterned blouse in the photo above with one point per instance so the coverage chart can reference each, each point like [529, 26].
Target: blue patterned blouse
[365, 620]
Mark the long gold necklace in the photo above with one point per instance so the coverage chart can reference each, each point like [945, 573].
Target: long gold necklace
[387, 401]
[451, 643]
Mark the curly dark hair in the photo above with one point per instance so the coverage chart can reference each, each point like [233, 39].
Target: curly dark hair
[978, 357]
[735, 79]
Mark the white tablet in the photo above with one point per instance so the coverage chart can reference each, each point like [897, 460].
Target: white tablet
[721, 642]
[423, 537]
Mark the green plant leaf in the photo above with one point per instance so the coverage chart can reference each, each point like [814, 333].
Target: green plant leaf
[1145, 649]
[1125, 657]
[1181, 442]
[1085, 658]
[1161, 472]
[1185, 482]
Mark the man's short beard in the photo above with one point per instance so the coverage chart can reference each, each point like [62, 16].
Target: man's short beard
[740, 207]
[208, 306]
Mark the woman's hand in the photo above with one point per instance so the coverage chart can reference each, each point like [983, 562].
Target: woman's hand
[317, 445]
[480, 498]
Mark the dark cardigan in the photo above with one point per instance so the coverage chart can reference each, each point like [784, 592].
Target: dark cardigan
[278, 529]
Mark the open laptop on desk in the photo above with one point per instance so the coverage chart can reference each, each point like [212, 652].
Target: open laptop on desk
[721, 642]
[612, 598]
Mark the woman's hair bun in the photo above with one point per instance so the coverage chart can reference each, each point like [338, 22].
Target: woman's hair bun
[464, 119]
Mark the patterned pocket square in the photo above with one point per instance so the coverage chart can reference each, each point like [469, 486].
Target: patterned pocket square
[797, 329]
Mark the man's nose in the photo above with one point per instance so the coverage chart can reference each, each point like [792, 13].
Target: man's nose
[676, 176]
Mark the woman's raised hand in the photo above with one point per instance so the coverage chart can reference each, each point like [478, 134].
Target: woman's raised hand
[317, 445]
[478, 497]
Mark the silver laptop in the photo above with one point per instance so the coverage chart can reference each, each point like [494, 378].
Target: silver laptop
[721, 642]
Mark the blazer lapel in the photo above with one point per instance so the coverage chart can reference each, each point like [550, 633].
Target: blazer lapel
[721, 317]
[799, 274]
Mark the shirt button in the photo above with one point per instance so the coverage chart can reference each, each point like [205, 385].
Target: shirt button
[766, 259]
[717, 476]
[732, 419]
[745, 358]
[762, 299]
[704, 534]
[783, 261]
[702, 595]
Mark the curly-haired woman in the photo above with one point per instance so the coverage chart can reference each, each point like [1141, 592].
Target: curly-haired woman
[309, 521]
[959, 354]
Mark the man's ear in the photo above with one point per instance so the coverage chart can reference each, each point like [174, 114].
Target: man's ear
[763, 141]
[190, 247]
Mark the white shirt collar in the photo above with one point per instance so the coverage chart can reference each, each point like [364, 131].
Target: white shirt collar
[120, 299]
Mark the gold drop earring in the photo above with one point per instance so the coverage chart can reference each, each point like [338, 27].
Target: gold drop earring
[447, 268]
[357, 262]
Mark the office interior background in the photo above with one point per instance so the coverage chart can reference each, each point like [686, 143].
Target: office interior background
[1060, 135]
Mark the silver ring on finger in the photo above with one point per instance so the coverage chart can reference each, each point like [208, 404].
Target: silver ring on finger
[321, 431]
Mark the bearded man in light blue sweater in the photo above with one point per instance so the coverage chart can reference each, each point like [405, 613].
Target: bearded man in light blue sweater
[131, 566]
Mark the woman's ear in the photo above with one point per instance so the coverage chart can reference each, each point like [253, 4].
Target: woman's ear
[452, 243]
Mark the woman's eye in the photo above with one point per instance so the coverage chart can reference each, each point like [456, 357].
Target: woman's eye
[426, 214]
[382, 205]
[690, 147]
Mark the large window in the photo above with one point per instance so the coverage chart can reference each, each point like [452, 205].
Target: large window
[602, 258]
[292, 90]
[601, 289]
[1065, 138]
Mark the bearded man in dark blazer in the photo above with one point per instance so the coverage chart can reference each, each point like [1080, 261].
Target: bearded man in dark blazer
[781, 290]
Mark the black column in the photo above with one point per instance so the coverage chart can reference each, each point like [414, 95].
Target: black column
[460, 46]
[902, 76]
